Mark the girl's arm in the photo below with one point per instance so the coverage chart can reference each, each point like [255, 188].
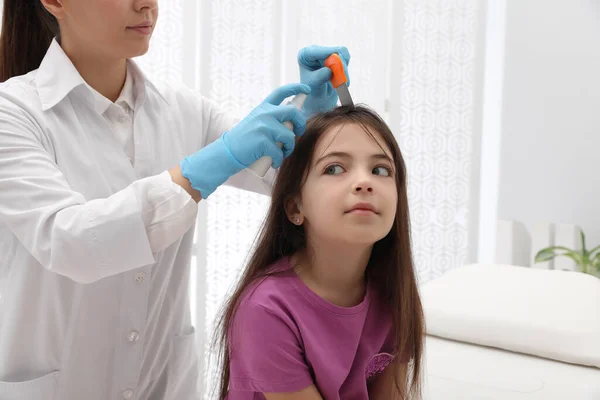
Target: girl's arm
[384, 385]
[266, 354]
[310, 393]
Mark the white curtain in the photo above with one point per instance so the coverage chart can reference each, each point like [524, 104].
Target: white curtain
[437, 127]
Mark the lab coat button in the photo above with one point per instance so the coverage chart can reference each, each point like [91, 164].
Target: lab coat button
[140, 276]
[127, 394]
[133, 336]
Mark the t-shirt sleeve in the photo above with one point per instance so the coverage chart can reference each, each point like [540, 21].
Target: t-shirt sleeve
[265, 351]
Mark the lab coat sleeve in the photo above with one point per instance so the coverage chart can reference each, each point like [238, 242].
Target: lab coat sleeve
[215, 123]
[84, 240]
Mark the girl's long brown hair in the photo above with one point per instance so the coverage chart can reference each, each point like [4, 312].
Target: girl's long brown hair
[390, 269]
[27, 31]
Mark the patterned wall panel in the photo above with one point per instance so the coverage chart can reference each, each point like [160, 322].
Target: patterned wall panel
[437, 126]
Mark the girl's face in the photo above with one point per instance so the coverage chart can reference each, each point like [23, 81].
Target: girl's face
[350, 194]
[112, 28]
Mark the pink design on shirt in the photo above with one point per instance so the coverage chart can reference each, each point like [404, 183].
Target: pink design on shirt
[377, 364]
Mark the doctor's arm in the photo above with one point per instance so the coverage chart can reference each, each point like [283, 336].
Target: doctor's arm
[84, 239]
[178, 178]
[225, 150]
[217, 122]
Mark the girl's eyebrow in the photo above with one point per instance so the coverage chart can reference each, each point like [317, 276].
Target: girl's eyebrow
[341, 154]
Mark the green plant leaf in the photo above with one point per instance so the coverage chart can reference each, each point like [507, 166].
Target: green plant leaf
[575, 256]
[550, 252]
[557, 248]
[585, 257]
[545, 255]
[582, 241]
[596, 261]
[594, 267]
[595, 249]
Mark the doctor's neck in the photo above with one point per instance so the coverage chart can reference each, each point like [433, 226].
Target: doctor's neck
[103, 73]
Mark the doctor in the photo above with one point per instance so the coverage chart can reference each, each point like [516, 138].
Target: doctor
[100, 175]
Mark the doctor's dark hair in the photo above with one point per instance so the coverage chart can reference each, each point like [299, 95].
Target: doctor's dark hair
[27, 31]
[390, 269]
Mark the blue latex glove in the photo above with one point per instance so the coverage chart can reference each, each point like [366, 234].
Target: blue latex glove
[313, 73]
[252, 138]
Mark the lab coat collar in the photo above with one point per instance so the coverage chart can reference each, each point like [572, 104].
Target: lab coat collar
[129, 93]
[57, 77]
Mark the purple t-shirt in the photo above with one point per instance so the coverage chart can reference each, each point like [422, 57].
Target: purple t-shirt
[284, 338]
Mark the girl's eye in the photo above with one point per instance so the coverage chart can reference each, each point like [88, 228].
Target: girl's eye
[382, 171]
[334, 169]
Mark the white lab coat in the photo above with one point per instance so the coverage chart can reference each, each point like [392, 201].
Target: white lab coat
[95, 248]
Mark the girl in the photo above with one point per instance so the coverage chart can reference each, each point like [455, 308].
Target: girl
[100, 175]
[328, 307]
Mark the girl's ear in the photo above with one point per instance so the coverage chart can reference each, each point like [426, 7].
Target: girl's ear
[293, 211]
[54, 7]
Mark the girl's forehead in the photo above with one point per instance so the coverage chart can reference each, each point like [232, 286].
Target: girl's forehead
[349, 137]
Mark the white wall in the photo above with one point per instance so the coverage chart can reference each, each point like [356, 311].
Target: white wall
[550, 145]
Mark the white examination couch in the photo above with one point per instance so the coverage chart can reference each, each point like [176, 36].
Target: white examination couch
[502, 332]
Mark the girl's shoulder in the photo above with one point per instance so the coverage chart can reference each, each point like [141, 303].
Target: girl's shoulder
[270, 301]
[274, 288]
